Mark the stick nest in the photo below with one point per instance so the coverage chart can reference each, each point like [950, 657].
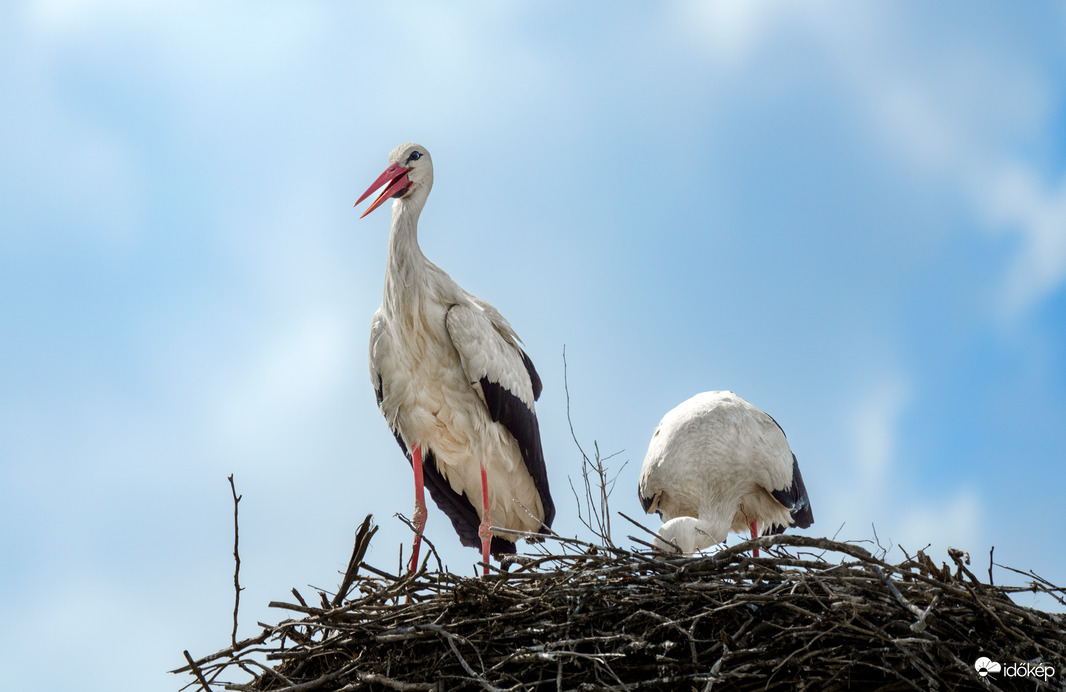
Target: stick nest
[810, 613]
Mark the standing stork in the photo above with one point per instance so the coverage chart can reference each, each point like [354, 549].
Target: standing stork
[454, 384]
[717, 464]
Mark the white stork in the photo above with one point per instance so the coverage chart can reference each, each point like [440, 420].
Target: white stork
[454, 384]
[717, 464]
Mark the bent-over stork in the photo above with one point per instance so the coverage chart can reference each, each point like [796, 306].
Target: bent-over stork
[717, 464]
[454, 384]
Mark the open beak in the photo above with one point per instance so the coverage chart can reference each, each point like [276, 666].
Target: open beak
[396, 183]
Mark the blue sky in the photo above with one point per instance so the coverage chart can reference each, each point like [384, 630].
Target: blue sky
[852, 216]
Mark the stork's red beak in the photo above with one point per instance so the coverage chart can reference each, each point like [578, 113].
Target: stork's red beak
[396, 183]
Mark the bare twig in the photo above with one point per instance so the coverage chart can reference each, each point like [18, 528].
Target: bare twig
[197, 672]
[877, 540]
[636, 523]
[432, 549]
[450, 638]
[362, 541]
[593, 472]
[237, 561]
[384, 681]
[638, 541]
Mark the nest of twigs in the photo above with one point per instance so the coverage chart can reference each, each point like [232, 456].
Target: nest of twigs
[809, 613]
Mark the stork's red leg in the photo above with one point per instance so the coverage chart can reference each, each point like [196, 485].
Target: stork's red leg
[754, 535]
[484, 531]
[420, 507]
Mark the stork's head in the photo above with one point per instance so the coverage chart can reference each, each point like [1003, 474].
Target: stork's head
[408, 177]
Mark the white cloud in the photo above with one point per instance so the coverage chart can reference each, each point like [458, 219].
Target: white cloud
[875, 424]
[731, 30]
[71, 17]
[916, 126]
[1019, 201]
[957, 118]
[953, 111]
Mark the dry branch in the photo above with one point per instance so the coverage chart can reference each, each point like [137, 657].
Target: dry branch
[236, 560]
[599, 485]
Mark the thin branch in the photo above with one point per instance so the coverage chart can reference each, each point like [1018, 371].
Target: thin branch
[450, 638]
[566, 390]
[237, 561]
[362, 541]
[596, 501]
[197, 672]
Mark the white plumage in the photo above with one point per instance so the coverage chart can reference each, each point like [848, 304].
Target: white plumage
[453, 382]
[715, 465]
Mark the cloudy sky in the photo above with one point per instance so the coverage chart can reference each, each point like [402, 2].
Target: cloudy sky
[852, 216]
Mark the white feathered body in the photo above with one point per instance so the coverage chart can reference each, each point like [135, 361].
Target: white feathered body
[717, 458]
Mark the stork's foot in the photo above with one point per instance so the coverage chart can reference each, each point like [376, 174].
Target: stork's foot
[754, 535]
[419, 521]
[484, 532]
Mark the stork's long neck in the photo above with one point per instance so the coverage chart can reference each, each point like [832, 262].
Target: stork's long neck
[406, 271]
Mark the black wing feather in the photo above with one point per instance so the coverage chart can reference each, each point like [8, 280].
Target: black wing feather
[508, 410]
[795, 499]
[534, 378]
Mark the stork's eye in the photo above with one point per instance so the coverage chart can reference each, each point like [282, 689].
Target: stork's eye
[415, 155]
